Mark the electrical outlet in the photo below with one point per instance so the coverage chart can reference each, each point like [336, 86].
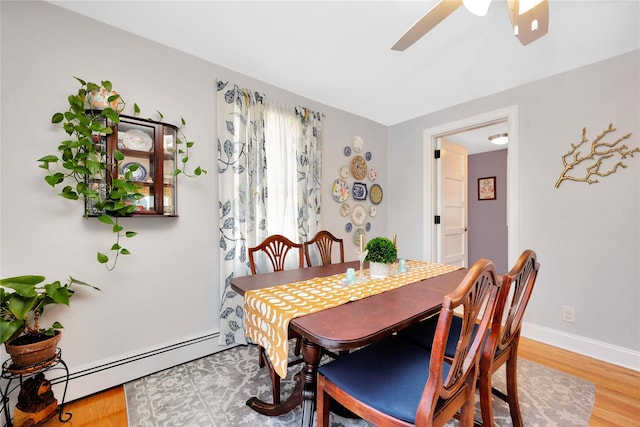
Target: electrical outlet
[569, 314]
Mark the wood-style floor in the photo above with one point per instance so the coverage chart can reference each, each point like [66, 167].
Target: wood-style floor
[617, 400]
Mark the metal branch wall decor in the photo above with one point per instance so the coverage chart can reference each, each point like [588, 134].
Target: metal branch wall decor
[592, 161]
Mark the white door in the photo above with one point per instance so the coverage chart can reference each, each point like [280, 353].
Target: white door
[451, 234]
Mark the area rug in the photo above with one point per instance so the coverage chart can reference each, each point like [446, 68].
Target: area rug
[212, 391]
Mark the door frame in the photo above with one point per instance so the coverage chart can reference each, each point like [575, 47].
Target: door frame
[430, 140]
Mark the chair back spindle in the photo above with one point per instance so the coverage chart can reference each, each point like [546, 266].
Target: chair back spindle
[275, 248]
[323, 241]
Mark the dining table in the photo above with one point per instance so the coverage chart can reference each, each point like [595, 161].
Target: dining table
[347, 326]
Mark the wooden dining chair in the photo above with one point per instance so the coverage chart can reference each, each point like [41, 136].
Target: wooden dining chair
[396, 382]
[501, 345]
[323, 240]
[276, 248]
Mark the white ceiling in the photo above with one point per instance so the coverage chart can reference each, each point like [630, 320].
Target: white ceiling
[338, 52]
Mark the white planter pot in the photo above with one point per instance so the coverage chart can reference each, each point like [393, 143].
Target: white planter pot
[378, 270]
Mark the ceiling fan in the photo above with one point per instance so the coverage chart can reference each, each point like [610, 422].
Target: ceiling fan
[529, 18]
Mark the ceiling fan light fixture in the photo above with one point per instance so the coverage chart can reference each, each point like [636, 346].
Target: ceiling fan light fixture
[477, 7]
[499, 138]
[526, 5]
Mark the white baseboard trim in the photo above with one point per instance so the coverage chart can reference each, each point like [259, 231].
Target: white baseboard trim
[609, 353]
[101, 375]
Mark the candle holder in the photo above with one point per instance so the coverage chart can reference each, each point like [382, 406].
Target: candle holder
[362, 254]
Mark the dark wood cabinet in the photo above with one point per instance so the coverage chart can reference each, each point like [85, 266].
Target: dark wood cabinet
[149, 150]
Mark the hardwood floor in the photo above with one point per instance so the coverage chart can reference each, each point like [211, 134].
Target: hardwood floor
[617, 400]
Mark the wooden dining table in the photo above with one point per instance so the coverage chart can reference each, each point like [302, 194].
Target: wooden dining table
[347, 326]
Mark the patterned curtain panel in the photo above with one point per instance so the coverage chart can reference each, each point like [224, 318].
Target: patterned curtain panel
[309, 168]
[255, 201]
[242, 195]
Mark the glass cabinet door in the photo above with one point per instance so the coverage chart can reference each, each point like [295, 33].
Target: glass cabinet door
[136, 141]
[149, 150]
[169, 179]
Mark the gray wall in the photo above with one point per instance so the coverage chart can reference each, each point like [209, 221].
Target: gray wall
[167, 292]
[586, 236]
[488, 218]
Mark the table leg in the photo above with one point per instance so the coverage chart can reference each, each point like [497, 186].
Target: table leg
[304, 391]
[311, 354]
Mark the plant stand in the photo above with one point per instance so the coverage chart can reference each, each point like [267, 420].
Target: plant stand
[42, 405]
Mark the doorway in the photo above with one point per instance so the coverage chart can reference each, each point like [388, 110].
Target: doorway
[432, 136]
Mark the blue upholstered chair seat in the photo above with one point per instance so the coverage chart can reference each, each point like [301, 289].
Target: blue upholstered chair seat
[423, 333]
[389, 375]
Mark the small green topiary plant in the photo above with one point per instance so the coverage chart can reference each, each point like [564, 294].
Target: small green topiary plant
[381, 250]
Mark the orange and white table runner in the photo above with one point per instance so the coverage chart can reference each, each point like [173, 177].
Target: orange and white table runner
[268, 311]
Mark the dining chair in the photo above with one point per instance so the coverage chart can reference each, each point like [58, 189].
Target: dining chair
[323, 240]
[396, 382]
[275, 248]
[501, 345]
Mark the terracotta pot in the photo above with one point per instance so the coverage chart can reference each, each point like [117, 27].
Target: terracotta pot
[25, 355]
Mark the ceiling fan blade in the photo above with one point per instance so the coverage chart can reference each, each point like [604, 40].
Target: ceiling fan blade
[433, 17]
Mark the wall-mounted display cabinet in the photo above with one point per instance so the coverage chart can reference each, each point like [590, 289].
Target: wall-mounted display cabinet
[149, 150]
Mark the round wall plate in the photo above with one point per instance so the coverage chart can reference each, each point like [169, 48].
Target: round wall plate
[375, 194]
[358, 167]
[358, 215]
[340, 190]
[357, 143]
[345, 209]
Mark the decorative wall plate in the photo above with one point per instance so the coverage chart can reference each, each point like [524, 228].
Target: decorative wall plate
[372, 211]
[375, 194]
[136, 175]
[373, 175]
[368, 156]
[358, 167]
[344, 172]
[359, 191]
[345, 209]
[367, 227]
[340, 190]
[136, 139]
[348, 227]
[347, 151]
[357, 235]
[358, 215]
[357, 143]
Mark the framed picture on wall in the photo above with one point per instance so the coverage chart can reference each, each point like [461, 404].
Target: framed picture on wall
[487, 188]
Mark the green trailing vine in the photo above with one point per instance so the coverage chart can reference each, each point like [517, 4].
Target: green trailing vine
[79, 158]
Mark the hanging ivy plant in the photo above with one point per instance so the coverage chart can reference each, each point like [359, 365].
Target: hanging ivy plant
[80, 156]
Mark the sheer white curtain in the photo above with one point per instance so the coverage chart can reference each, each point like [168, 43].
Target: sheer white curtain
[282, 133]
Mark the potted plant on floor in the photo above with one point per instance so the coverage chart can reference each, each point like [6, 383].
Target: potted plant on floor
[380, 253]
[22, 302]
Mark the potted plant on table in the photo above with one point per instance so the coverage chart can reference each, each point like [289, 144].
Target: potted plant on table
[22, 302]
[380, 253]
